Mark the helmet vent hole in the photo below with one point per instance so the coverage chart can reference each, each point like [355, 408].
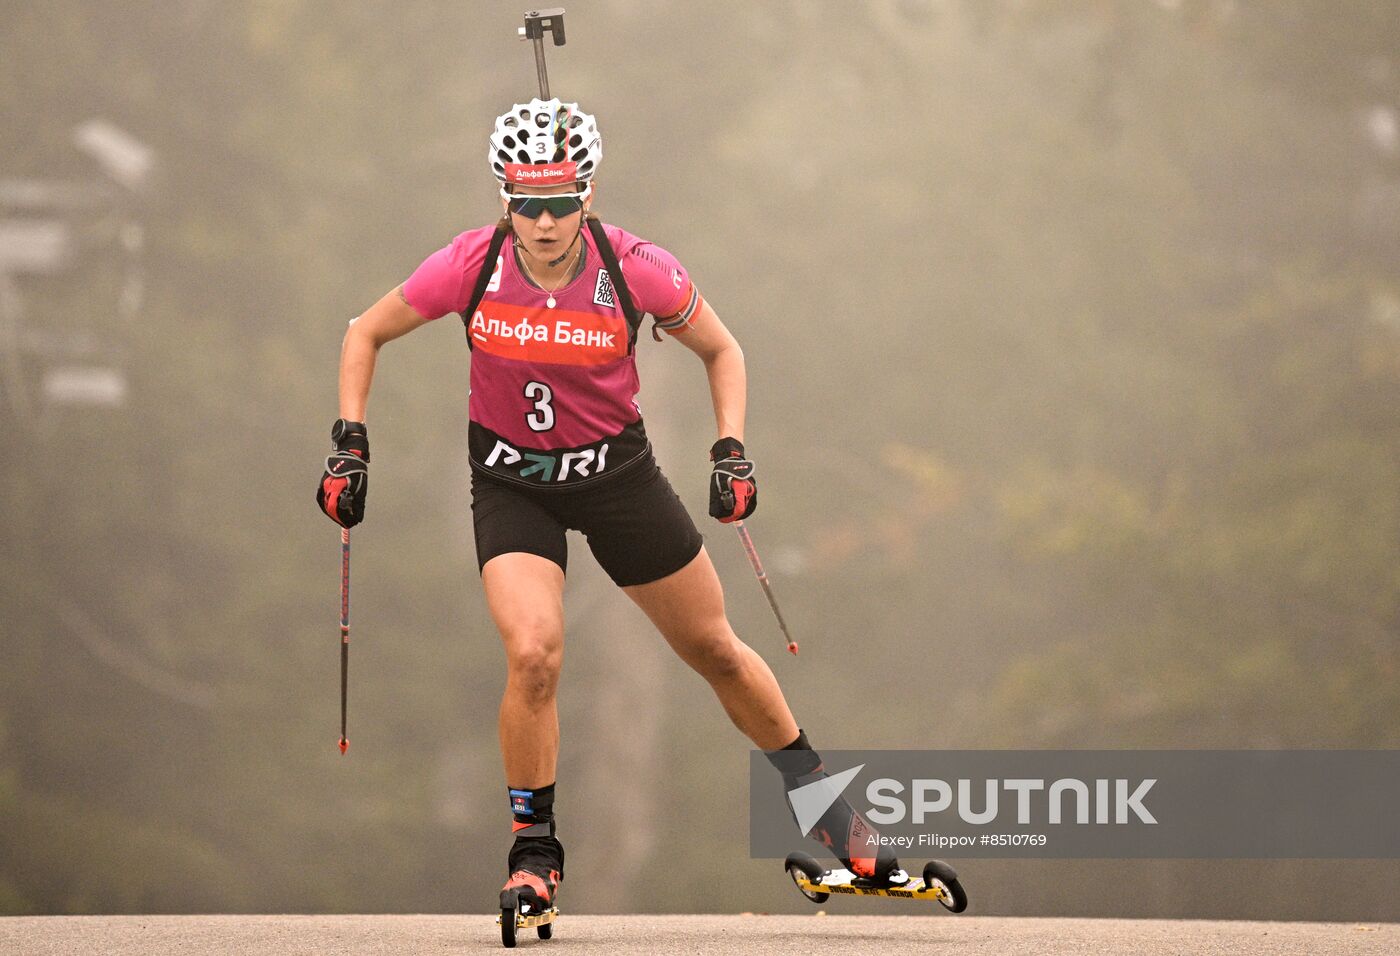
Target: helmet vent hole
[546, 132]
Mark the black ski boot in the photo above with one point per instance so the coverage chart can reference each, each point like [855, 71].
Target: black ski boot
[843, 831]
[536, 869]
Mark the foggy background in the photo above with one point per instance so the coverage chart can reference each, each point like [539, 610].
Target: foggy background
[1073, 335]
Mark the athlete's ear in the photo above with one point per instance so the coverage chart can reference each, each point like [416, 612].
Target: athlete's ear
[592, 195]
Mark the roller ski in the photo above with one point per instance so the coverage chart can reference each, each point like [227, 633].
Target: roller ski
[939, 882]
[515, 916]
[860, 875]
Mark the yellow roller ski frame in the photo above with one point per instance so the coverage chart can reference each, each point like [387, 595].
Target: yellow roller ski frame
[938, 883]
[913, 890]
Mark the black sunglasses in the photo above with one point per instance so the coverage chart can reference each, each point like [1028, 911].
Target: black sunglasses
[559, 205]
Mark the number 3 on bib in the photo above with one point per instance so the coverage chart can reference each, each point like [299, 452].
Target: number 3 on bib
[542, 418]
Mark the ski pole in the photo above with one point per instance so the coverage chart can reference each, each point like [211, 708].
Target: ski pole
[537, 23]
[763, 580]
[344, 630]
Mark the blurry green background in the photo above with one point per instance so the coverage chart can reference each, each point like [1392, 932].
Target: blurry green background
[1073, 331]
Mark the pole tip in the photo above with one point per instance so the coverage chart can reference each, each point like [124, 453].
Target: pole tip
[344, 745]
[792, 648]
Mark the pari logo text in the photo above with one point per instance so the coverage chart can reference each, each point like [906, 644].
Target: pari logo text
[539, 466]
[1018, 800]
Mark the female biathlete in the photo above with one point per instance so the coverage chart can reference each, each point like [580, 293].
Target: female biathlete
[556, 443]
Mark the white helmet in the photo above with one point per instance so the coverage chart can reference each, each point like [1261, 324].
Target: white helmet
[557, 136]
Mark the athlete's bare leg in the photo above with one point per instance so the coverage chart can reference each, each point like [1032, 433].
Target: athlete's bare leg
[688, 608]
[525, 593]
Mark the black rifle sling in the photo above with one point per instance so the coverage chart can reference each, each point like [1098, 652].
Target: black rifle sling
[483, 278]
[619, 283]
[605, 249]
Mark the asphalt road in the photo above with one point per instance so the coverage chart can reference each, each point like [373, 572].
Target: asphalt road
[689, 935]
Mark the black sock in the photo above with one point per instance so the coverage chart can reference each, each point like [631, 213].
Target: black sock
[795, 761]
[535, 847]
[532, 810]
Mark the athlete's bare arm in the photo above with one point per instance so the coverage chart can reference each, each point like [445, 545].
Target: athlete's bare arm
[707, 337]
[382, 322]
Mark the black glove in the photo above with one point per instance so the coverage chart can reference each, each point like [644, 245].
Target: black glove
[341, 492]
[733, 491]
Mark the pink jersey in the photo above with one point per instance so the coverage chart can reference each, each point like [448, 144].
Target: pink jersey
[553, 390]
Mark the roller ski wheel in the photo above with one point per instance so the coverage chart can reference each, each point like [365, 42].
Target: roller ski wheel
[517, 913]
[939, 882]
[952, 896]
[806, 872]
[507, 924]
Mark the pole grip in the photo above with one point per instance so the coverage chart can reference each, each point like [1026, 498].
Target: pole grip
[345, 584]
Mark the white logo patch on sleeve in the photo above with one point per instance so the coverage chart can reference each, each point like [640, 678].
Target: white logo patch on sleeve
[603, 290]
[495, 284]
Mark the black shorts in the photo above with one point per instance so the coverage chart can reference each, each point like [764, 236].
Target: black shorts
[635, 524]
